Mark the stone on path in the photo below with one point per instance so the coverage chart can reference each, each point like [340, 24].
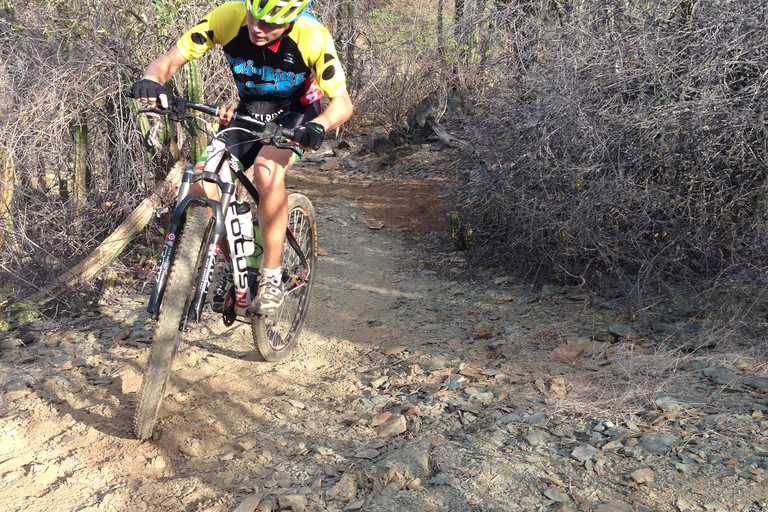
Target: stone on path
[557, 494]
[723, 376]
[402, 467]
[443, 479]
[614, 507]
[659, 444]
[537, 438]
[666, 403]
[355, 505]
[189, 451]
[642, 475]
[393, 427]
[250, 504]
[244, 446]
[566, 354]
[345, 490]
[380, 419]
[292, 501]
[758, 383]
[558, 386]
[377, 383]
[12, 463]
[584, 453]
[370, 453]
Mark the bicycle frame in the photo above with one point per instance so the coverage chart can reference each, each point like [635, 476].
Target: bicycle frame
[211, 174]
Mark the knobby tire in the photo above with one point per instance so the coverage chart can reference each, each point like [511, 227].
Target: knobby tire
[275, 336]
[176, 299]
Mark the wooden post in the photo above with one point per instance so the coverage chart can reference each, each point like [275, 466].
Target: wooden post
[114, 244]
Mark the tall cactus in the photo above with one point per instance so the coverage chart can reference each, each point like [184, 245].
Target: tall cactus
[195, 93]
[81, 171]
[7, 232]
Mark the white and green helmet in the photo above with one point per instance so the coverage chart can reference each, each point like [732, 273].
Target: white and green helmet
[279, 12]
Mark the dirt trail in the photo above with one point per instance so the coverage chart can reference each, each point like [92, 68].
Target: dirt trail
[411, 389]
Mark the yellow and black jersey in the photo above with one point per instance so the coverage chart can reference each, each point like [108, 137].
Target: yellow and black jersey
[293, 72]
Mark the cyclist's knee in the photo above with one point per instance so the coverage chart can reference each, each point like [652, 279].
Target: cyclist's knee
[204, 190]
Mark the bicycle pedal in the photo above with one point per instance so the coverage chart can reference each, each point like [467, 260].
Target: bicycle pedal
[219, 297]
[228, 315]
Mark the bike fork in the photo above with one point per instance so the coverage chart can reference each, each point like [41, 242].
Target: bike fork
[209, 260]
[206, 275]
[174, 228]
[161, 277]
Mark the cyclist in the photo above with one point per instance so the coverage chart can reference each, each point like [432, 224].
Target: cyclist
[283, 62]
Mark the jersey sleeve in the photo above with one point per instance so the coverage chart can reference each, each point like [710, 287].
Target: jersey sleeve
[319, 51]
[218, 27]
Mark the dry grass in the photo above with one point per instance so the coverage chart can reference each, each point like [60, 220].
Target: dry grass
[623, 383]
[629, 153]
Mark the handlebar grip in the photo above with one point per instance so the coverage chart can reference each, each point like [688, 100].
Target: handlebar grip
[129, 93]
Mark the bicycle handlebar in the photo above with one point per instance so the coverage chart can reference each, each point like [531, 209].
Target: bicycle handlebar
[269, 130]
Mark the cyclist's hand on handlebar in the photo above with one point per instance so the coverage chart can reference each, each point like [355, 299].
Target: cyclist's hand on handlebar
[309, 135]
[150, 92]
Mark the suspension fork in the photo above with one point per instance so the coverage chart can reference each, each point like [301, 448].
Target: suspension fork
[178, 218]
[172, 234]
[219, 208]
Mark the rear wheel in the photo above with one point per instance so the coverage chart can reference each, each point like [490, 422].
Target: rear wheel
[176, 299]
[276, 335]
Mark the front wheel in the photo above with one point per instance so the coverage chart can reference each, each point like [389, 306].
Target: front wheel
[276, 335]
[176, 300]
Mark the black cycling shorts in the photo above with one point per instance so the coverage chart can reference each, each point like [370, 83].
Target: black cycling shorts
[245, 147]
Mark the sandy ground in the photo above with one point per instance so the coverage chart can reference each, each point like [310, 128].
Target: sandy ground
[416, 386]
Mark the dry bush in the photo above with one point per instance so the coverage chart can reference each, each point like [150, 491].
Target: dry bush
[80, 163]
[396, 62]
[641, 370]
[627, 149]
[61, 79]
[82, 158]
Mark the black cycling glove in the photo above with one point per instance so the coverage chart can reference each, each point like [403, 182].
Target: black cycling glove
[146, 89]
[309, 135]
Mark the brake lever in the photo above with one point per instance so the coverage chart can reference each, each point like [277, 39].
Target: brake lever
[155, 110]
[175, 111]
[273, 133]
[276, 141]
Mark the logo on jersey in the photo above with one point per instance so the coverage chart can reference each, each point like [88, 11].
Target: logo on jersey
[313, 93]
[270, 81]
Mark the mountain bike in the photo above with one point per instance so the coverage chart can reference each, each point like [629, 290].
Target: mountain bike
[193, 243]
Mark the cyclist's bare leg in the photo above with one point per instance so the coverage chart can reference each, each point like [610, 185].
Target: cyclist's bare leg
[269, 171]
[269, 178]
[209, 190]
[203, 188]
